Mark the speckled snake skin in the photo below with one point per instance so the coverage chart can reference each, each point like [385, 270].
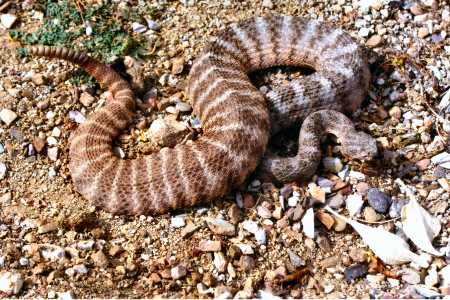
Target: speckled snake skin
[236, 118]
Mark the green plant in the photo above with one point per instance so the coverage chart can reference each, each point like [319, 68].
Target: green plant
[65, 25]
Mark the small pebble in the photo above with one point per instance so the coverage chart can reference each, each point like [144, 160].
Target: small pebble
[77, 117]
[3, 170]
[52, 153]
[220, 226]
[209, 246]
[354, 272]
[10, 283]
[178, 221]
[336, 201]
[100, 260]
[423, 32]
[295, 260]
[138, 28]
[379, 200]
[246, 263]
[370, 215]
[374, 41]
[410, 276]
[354, 204]
[267, 4]
[308, 223]
[8, 20]
[178, 272]
[153, 25]
[7, 116]
[332, 164]
[87, 99]
[220, 261]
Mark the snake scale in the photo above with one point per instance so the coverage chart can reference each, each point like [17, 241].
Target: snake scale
[237, 119]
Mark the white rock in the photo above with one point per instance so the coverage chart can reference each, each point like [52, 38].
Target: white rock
[354, 204]
[178, 221]
[138, 28]
[250, 226]
[7, 116]
[56, 132]
[23, 261]
[364, 32]
[8, 20]
[118, 152]
[77, 117]
[51, 141]
[432, 278]
[85, 245]
[426, 292]
[292, 201]
[66, 295]
[52, 153]
[308, 223]
[245, 249]
[260, 236]
[80, 269]
[267, 4]
[393, 282]
[178, 272]
[10, 283]
[3, 170]
[344, 173]
[53, 253]
[328, 288]
[445, 275]
[441, 158]
[356, 175]
[220, 261]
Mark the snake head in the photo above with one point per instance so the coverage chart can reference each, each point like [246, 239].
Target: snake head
[359, 145]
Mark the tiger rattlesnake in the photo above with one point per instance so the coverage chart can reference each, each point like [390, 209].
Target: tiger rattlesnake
[236, 118]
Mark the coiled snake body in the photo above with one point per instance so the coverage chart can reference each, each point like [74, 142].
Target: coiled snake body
[236, 118]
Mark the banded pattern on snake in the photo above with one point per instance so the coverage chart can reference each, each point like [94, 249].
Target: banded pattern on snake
[237, 120]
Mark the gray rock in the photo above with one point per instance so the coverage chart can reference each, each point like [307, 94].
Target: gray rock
[354, 272]
[396, 208]
[379, 200]
[295, 260]
[152, 25]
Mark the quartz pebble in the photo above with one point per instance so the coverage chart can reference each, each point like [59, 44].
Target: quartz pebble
[178, 221]
[3, 170]
[8, 20]
[7, 116]
[354, 204]
[10, 283]
[178, 272]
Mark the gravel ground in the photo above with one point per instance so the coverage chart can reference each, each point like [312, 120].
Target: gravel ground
[256, 242]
